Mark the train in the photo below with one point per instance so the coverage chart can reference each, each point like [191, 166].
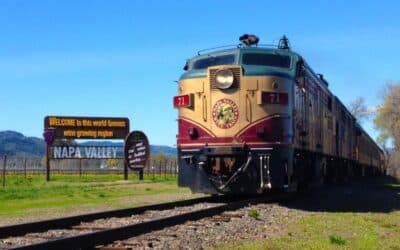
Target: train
[254, 118]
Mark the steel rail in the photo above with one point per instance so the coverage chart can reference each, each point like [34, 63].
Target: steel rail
[90, 240]
[67, 222]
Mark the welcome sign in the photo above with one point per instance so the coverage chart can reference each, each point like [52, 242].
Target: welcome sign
[68, 127]
[77, 127]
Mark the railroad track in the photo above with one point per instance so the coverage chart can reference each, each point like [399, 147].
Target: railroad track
[87, 234]
[45, 225]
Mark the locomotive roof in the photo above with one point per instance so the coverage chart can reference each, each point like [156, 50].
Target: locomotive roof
[250, 70]
[238, 49]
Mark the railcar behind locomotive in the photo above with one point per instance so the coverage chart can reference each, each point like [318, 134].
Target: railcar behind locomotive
[254, 117]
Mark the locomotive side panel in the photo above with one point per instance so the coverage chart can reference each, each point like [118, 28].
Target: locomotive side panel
[310, 108]
[328, 135]
[314, 117]
[364, 150]
[300, 117]
[344, 132]
[369, 154]
[337, 141]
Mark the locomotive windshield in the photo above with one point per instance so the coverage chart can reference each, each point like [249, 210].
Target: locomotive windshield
[258, 59]
[213, 61]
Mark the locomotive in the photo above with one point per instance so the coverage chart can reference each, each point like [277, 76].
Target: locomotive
[256, 117]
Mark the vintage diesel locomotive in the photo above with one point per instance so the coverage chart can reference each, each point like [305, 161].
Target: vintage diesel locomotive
[255, 117]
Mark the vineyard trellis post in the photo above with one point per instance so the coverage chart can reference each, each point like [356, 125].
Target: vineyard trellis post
[80, 167]
[152, 168]
[125, 170]
[47, 162]
[165, 168]
[171, 165]
[4, 169]
[176, 167]
[25, 167]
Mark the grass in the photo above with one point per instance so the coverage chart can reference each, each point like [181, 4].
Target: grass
[344, 231]
[336, 230]
[33, 196]
[334, 239]
[253, 213]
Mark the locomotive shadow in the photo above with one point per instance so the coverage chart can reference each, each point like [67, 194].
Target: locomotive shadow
[381, 194]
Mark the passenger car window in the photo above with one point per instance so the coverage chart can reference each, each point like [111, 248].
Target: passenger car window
[280, 61]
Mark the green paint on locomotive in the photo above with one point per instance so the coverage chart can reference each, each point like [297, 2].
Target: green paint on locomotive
[248, 70]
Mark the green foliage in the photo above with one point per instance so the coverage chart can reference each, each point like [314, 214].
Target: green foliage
[14, 143]
[159, 157]
[388, 113]
[253, 213]
[334, 239]
[112, 162]
[387, 120]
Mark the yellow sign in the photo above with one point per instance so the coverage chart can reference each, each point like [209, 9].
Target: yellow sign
[87, 122]
[87, 127]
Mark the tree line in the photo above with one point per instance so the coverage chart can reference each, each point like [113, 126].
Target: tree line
[386, 118]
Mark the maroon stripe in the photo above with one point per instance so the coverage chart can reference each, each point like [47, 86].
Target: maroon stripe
[250, 145]
[269, 130]
[202, 135]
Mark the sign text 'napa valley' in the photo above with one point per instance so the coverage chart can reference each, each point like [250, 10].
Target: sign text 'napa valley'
[84, 152]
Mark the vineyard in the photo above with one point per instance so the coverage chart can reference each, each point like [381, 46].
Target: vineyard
[159, 164]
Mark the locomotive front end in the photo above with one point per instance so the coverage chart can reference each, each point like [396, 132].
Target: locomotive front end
[235, 128]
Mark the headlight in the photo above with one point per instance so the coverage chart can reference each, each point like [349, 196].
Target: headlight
[224, 78]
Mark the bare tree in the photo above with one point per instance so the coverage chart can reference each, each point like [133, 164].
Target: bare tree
[359, 109]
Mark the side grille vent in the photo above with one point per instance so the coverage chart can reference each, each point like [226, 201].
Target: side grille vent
[236, 75]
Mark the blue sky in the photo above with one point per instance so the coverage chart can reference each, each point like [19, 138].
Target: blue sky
[121, 58]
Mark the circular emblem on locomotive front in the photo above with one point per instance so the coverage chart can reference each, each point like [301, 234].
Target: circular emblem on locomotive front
[225, 113]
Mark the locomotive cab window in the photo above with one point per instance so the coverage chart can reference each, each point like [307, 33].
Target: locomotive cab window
[259, 59]
[213, 61]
